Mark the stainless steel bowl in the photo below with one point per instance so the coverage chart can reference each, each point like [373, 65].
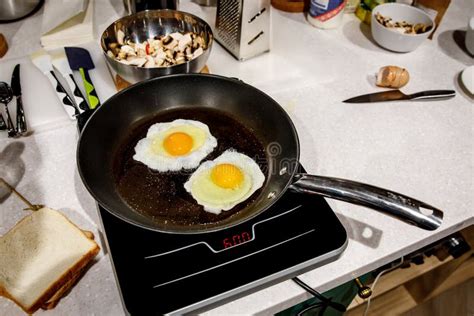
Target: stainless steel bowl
[14, 10]
[147, 24]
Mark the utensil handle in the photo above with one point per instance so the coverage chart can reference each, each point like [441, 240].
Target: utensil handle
[78, 97]
[66, 101]
[395, 204]
[90, 89]
[21, 127]
[432, 94]
[3, 125]
[10, 126]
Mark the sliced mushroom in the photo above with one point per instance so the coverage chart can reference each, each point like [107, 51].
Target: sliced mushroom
[166, 40]
[159, 61]
[180, 59]
[121, 55]
[189, 53]
[198, 52]
[156, 44]
[159, 51]
[172, 44]
[176, 35]
[150, 62]
[128, 50]
[184, 42]
[135, 61]
[120, 37]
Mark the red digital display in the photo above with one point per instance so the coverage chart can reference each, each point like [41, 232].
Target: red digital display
[236, 240]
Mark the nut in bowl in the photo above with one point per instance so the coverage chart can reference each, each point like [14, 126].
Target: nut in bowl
[155, 43]
[400, 27]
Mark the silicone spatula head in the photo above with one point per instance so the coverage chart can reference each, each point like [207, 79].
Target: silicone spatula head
[78, 58]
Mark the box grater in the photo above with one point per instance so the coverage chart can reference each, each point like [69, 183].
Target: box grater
[243, 27]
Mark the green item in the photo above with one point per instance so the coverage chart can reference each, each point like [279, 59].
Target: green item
[90, 90]
[343, 294]
[373, 3]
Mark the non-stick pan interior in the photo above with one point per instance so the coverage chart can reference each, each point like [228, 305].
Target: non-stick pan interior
[112, 123]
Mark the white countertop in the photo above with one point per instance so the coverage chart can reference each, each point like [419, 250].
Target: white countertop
[421, 149]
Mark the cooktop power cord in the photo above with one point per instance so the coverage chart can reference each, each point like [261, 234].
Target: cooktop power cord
[324, 301]
[366, 312]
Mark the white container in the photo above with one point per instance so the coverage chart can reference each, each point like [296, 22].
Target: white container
[326, 14]
[392, 39]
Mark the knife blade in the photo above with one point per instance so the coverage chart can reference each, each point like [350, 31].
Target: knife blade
[397, 95]
[21, 126]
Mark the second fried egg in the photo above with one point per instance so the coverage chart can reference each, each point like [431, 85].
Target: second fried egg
[173, 146]
[224, 182]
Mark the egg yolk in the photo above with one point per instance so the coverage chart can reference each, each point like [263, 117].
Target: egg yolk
[227, 176]
[178, 144]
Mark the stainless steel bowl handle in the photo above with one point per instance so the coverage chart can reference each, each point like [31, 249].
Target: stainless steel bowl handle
[392, 203]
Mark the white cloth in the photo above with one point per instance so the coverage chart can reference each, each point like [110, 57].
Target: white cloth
[67, 23]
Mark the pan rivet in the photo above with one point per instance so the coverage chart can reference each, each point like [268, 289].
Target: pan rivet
[271, 195]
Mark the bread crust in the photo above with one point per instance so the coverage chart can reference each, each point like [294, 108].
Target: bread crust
[66, 277]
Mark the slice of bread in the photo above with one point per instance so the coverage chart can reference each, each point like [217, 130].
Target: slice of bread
[64, 290]
[39, 255]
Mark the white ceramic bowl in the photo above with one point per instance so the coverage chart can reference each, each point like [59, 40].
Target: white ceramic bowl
[393, 40]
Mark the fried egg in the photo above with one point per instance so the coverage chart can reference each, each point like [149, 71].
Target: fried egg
[173, 146]
[224, 182]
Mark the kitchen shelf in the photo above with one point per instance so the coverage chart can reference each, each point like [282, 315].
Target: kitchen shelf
[401, 290]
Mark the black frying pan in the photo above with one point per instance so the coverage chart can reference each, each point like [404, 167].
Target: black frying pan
[109, 126]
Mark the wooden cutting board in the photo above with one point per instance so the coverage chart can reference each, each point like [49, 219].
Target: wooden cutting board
[291, 5]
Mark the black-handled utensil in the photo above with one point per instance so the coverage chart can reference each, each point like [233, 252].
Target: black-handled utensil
[6, 95]
[397, 95]
[21, 127]
[60, 62]
[79, 59]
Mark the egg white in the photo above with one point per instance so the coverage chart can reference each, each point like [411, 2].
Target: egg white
[214, 198]
[151, 152]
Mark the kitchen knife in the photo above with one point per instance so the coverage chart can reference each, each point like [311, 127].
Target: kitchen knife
[21, 127]
[79, 59]
[396, 95]
[42, 61]
[61, 64]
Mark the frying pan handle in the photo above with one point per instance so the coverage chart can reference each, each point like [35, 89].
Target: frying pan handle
[392, 203]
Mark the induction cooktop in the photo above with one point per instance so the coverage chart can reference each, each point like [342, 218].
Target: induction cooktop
[160, 273]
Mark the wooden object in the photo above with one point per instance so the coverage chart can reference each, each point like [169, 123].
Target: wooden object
[291, 5]
[402, 299]
[402, 290]
[121, 83]
[438, 5]
[3, 45]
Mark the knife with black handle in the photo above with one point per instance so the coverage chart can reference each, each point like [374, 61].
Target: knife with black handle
[397, 95]
[21, 126]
